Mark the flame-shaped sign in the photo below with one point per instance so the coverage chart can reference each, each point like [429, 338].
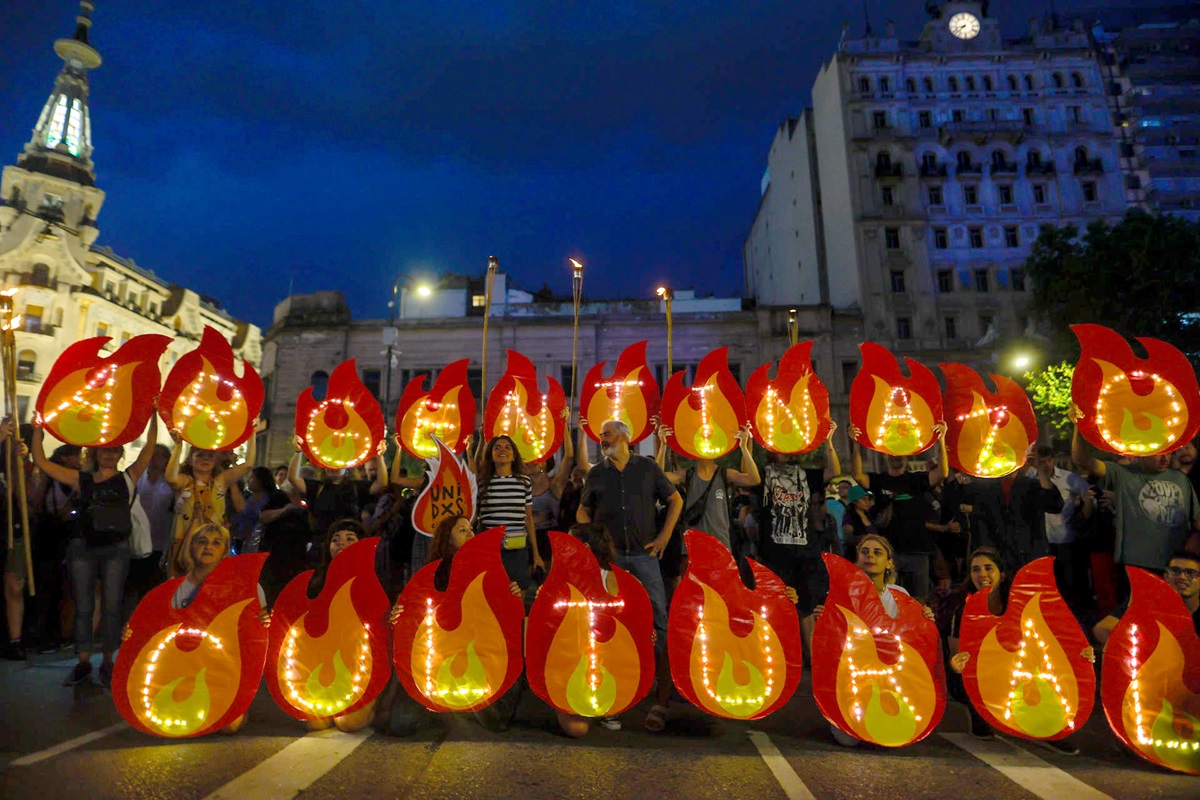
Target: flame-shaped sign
[518, 409]
[588, 652]
[96, 401]
[630, 395]
[1133, 406]
[205, 400]
[460, 650]
[344, 429]
[706, 416]
[895, 414]
[876, 678]
[791, 413]
[446, 411]
[329, 656]
[450, 492]
[192, 671]
[987, 433]
[1150, 683]
[1026, 675]
[734, 652]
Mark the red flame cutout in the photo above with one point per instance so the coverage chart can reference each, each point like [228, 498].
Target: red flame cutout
[1026, 675]
[343, 430]
[102, 401]
[191, 671]
[322, 661]
[205, 400]
[1133, 406]
[895, 414]
[630, 395]
[706, 416]
[876, 678]
[588, 652]
[446, 411]
[450, 492]
[735, 652]
[1150, 681]
[987, 433]
[518, 409]
[786, 417]
[459, 650]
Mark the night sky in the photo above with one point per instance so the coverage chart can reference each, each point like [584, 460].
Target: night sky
[246, 147]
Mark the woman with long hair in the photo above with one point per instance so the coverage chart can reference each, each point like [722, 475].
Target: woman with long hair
[261, 484]
[506, 499]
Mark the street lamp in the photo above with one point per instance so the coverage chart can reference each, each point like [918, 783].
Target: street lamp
[423, 290]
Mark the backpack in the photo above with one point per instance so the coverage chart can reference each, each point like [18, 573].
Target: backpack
[105, 509]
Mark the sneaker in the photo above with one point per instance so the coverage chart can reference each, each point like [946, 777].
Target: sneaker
[610, 723]
[843, 738]
[1060, 746]
[106, 673]
[79, 674]
[13, 651]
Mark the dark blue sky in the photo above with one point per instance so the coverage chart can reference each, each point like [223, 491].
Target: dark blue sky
[244, 146]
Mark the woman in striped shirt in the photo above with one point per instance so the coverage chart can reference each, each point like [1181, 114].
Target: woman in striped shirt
[506, 499]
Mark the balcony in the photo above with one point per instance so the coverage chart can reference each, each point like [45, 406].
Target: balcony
[889, 171]
[27, 373]
[934, 170]
[1004, 168]
[982, 131]
[45, 281]
[1090, 166]
[968, 170]
[35, 325]
[1043, 168]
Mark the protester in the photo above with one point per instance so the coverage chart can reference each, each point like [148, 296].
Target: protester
[157, 496]
[57, 518]
[861, 517]
[99, 550]
[245, 529]
[333, 497]
[547, 493]
[1183, 575]
[1062, 529]
[15, 567]
[285, 538]
[506, 500]
[620, 493]
[909, 528]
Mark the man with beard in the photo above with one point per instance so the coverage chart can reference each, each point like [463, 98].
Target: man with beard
[620, 493]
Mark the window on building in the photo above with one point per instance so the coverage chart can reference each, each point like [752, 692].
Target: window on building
[1089, 192]
[925, 119]
[1076, 80]
[986, 321]
[108, 287]
[879, 119]
[849, 370]
[1011, 80]
[951, 328]
[1011, 238]
[983, 281]
[125, 336]
[1033, 159]
[154, 308]
[102, 329]
[957, 115]
[903, 328]
[910, 85]
[1039, 193]
[26, 364]
[1075, 114]
[478, 300]
[993, 114]
[889, 196]
[963, 159]
[970, 83]
[1016, 277]
[885, 84]
[941, 239]
[883, 160]
[1005, 192]
[31, 319]
[1081, 156]
[952, 82]
[41, 275]
[998, 160]
[929, 161]
[987, 83]
[971, 195]
[945, 281]
[372, 379]
[891, 238]
[1027, 116]
[897, 277]
[1057, 80]
[935, 195]
[864, 85]
[976, 235]
[927, 83]
[319, 381]
[1029, 83]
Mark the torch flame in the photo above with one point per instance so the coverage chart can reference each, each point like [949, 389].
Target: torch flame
[445, 665]
[446, 411]
[312, 670]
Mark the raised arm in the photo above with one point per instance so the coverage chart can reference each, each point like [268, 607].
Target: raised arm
[661, 433]
[381, 475]
[856, 465]
[749, 475]
[56, 471]
[939, 473]
[235, 473]
[294, 469]
[172, 473]
[833, 465]
[581, 447]
[398, 476]
[143, 460]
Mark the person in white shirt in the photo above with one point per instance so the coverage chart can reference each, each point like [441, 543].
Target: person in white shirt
[1070, 554]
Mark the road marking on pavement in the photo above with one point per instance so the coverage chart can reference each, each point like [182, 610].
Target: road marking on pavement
[1026, 769]
[294, 768]
[789, 781]
[67, 746]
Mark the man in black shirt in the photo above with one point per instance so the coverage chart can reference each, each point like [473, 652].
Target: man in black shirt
[910, 528]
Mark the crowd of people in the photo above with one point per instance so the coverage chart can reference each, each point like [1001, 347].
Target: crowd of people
[919, 528]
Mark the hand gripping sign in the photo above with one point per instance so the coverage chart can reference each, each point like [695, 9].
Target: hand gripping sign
[735, 652]
[876, 678]
[191, 671]
[1150, 680]
[328, 656]
[1026, 675]
[588, 652]
[460, 649]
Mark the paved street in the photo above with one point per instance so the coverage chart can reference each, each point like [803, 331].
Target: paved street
[64, 743]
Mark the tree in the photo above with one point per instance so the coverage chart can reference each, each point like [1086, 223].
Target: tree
[1050, 392]
[1140, 277]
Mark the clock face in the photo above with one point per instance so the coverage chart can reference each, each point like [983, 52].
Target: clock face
[964, 25]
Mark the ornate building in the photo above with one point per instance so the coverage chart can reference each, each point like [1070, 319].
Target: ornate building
[68, 288]
[911, 191]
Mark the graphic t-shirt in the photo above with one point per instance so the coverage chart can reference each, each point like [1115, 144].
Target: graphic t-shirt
[1155, 511]
[788, 490]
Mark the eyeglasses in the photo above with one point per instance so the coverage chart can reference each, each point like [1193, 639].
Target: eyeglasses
[1185, 572]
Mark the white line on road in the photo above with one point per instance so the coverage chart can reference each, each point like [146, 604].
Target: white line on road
[1024, 768]
[792, 786]
[294, 768]
[67, 746]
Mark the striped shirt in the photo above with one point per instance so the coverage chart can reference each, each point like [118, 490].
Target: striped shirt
[503, 502]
